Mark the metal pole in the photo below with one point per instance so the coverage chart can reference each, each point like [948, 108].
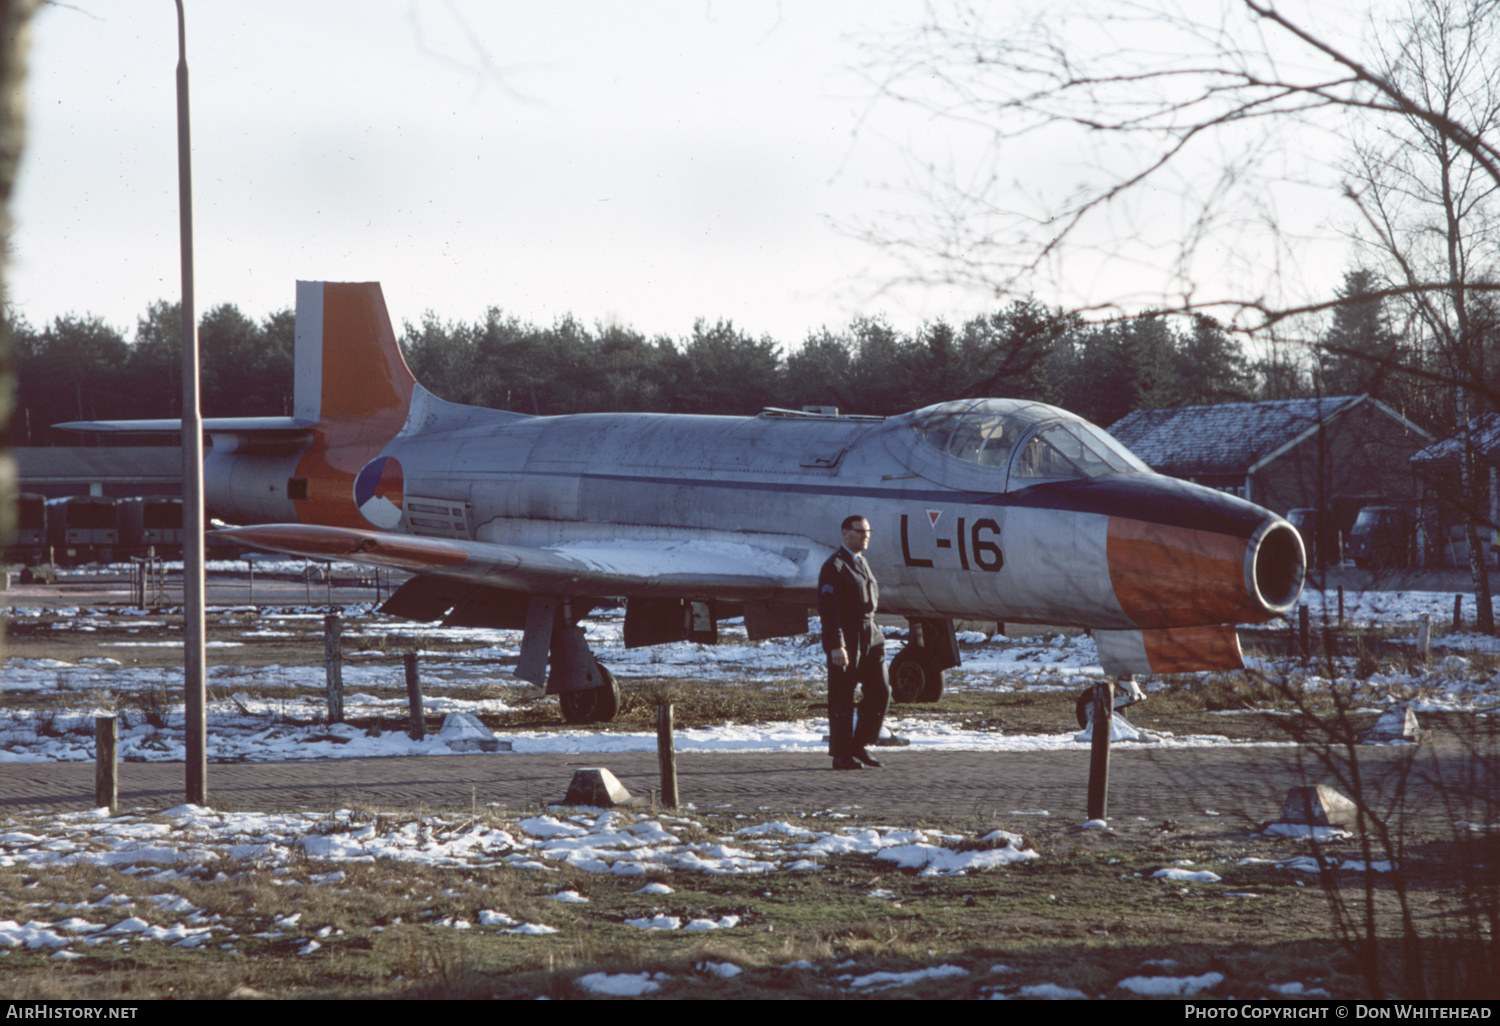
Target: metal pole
[194, 679]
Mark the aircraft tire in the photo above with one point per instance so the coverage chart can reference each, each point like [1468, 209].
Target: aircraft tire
[1085, 699]
[915, 677]
[592, 705]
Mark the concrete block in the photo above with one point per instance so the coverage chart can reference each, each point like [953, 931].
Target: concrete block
[1319, 805]
[598, 787]
[462, 732]
[1397, 725]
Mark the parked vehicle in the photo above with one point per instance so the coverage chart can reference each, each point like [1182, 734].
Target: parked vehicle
[1381, 538]
[161, 525]
[30, 543]
[91, 529]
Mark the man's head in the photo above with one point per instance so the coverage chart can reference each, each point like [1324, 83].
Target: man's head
[856, 533]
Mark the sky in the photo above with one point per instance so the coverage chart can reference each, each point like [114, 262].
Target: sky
[651, 163]
[645, 163]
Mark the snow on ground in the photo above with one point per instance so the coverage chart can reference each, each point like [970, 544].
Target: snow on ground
[194, 843]
[243, 727]
[1170, 986]
[191, 842]
[246, 727]
[305, 848]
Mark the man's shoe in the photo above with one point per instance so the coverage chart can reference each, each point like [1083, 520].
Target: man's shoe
[846, 764]
[865, 757]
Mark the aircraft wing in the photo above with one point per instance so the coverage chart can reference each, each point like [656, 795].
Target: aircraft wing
[765, 567]
[231, 425]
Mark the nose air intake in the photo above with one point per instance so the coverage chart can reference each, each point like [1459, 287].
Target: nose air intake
[1275, 565]
[1171, 575]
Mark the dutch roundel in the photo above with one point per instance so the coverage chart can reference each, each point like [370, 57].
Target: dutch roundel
[377, 492]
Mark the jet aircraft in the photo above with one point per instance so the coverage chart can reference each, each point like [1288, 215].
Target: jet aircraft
[983, 509]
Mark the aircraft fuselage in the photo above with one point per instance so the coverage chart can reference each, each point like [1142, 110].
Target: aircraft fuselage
[952, 537]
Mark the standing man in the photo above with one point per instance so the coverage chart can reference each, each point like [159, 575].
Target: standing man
[847, 599]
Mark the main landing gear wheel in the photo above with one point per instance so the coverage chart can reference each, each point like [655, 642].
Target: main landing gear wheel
[592, 705]
[915, 677]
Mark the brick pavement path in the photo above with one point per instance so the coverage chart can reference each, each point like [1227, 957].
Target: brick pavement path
[1243, 785]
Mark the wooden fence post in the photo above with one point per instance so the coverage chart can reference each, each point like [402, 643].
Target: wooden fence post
[1104, 716]
[666, 755]
[1304, 631]
[333, 664]
[418, 715]
[106, 765]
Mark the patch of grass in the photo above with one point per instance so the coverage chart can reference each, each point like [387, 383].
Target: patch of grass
[709, 704]
[153, 704]
[1085, 915]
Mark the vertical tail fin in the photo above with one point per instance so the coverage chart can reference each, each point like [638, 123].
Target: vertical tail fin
[353, 385]
[348, 366]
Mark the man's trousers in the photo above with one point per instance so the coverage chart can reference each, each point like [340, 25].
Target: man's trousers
[870, 675]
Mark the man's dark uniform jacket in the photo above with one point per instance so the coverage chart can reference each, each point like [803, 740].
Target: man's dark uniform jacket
[847, 599]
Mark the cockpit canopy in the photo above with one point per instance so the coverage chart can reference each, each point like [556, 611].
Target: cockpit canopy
[1020, 442]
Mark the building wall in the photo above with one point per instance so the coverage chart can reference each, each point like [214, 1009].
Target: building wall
[1360, 458]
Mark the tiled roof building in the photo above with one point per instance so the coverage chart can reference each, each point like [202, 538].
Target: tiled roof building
[1336, 453]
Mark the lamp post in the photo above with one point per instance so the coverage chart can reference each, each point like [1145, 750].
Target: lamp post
[195, 690]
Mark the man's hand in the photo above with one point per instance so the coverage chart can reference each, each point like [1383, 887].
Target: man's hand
[838, 657]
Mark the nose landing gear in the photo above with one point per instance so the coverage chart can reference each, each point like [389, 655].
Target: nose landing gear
[1127, 693]
[917, 670]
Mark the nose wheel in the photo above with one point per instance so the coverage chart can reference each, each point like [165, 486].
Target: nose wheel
[915, 676]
